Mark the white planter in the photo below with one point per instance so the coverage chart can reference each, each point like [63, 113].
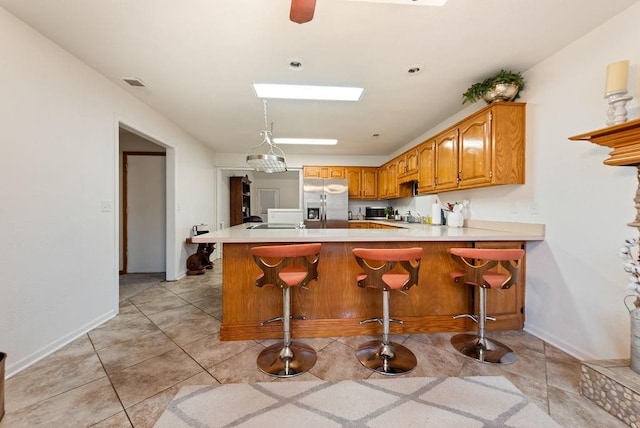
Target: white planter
[635, 340]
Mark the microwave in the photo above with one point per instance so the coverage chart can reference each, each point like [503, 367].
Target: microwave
[375, 213]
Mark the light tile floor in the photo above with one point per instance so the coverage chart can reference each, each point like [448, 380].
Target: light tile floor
[125, 372]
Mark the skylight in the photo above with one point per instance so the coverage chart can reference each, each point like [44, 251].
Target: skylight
[307, 92]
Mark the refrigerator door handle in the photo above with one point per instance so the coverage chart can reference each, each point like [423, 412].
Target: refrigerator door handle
[323, 207]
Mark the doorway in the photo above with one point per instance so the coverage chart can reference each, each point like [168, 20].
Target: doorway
[143, 207]
[144, 213]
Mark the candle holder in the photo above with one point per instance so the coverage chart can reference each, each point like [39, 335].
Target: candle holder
[617, 112]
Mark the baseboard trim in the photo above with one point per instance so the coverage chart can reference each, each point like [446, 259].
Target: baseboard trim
[34, 357]
[570, 349]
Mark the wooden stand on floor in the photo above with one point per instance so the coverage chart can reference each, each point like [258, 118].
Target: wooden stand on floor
[197, 263]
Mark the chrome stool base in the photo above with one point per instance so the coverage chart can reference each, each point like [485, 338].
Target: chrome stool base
[303, 357]
[399, 359]
[493, 352]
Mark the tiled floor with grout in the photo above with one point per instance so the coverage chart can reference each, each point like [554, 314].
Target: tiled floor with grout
[125, 372]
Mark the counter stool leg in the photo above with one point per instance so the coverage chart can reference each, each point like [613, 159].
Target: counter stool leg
[286, 359]
[384, 356]
[479, 347]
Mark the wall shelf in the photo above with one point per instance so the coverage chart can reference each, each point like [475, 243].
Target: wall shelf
[624, 139]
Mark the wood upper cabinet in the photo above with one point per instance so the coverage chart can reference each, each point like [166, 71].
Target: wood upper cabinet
[369, 183]
[474, 166]
[354, 181]
[323, 172]
[485, 149]
[363, 182]
[427, 167]
[382, 182]
[408, 166]
[446, 153]
[492, 146]
[390, 185]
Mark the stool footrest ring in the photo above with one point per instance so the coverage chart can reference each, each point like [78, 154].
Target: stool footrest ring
[380, 320]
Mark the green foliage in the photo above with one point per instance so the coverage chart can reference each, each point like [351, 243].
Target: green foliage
[478, 89]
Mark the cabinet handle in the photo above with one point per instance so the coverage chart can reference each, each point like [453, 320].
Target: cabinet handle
[459, 179]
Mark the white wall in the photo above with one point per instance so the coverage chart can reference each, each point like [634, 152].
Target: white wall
[59, 251]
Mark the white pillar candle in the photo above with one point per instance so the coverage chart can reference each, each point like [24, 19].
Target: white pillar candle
[617, 76]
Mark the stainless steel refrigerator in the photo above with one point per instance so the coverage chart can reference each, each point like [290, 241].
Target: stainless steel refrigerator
[326, 203]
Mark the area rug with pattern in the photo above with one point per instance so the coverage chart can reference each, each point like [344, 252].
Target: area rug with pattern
[476, 401]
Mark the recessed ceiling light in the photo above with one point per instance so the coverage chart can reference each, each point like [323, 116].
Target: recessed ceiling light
[296, 64]
[307, 92]
[415, 69]
[307, 141]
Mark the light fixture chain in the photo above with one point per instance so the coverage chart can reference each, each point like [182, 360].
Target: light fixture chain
[266, 122]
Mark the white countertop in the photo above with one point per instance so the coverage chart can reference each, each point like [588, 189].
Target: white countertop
[475, 230]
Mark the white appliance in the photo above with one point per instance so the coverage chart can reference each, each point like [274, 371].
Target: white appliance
[284, 215]
[326, 203]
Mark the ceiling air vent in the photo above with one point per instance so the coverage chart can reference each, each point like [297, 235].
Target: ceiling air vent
[133, 81]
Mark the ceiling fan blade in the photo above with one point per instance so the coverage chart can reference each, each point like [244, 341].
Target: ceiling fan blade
[302, 10]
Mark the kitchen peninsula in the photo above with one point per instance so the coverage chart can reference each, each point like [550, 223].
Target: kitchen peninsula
[334, 305]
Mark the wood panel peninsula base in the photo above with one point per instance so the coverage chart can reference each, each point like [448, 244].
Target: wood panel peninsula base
[334, 305]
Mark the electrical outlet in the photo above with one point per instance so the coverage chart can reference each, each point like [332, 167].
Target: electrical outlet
[514, 208]
[534, 208]
[106, 206]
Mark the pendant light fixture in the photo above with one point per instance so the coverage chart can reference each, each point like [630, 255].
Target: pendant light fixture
[266, 156]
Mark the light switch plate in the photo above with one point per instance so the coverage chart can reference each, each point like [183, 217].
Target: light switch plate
[106, 206]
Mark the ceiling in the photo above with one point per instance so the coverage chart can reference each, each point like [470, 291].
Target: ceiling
[198, 59]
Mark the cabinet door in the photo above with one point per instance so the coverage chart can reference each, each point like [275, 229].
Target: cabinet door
[447, 160]
[334, 172]
[353, 179]
[323, 172]
[427, 167]
[401, 165]
[311, 172]
[412, 162]
[392, 180]
[475, 164]
[358, 225]
[382, 182]
[369, 183]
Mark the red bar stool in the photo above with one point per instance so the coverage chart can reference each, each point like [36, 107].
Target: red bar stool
[286, 266]
[387, 269]
[478, 264]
